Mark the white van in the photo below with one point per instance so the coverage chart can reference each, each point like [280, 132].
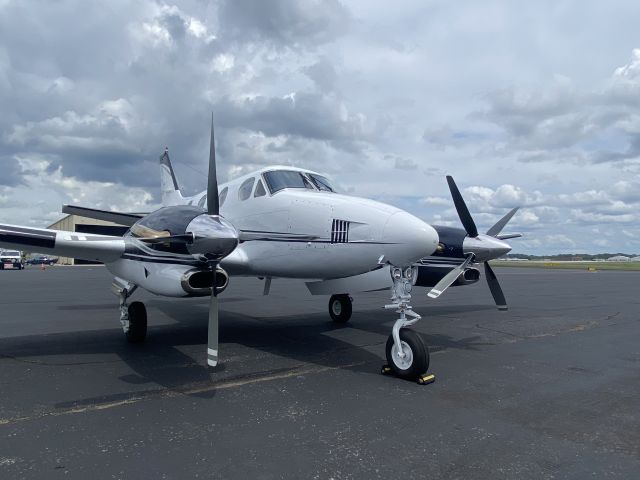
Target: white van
[11, 260]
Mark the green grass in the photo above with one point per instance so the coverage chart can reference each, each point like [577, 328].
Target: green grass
[628, 266]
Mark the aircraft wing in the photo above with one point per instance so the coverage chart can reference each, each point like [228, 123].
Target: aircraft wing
[127, 219]
[87, 246]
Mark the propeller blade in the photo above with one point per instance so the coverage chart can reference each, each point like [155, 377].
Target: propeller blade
[495, 288]
[500, 224]
[507, 236]
[213, 204]
[212, 336]
[461, 207]
[449, 278]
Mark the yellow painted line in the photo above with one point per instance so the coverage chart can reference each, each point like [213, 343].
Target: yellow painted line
[167, 393]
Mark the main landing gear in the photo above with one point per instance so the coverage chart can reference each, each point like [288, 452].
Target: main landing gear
[133, 317]
[340, 308]
[407, 354]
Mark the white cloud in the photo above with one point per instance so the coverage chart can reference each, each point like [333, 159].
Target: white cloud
[388, 101]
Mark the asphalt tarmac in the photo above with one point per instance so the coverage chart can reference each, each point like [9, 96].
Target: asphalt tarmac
[549, 389]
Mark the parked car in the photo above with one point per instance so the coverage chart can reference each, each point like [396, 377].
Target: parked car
[42, 260]
[11, 260]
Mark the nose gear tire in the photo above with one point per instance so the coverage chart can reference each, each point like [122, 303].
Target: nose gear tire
[137, 323]
[340, 308]
[415, 361]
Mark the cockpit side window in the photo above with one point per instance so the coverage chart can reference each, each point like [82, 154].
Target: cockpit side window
[223, 195]
[260, 191]
[321, 182]
[280, 179]
[203, 201]
[245, 189]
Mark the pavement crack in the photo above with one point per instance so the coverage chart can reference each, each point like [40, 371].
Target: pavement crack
[56, 364]
[195, 388]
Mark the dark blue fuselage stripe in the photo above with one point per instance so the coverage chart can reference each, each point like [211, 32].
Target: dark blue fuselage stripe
[35, 240]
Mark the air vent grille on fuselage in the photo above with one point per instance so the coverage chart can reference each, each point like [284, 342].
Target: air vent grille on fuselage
[340, 231]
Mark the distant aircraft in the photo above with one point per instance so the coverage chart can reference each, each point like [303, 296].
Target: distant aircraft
[279, 222]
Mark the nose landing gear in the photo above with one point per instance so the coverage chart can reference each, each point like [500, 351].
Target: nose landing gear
[407, 354]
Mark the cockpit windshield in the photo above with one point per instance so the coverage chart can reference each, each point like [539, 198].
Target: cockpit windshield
[321, 182]
[280, 179]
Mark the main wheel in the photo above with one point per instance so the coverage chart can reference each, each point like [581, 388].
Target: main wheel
[415, 361]
[137, 323]
[340, 308]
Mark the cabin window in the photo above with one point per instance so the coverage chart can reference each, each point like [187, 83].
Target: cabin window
[280, 179]
[223, 195]
[321, 182]
[245, 189]
[260, 191]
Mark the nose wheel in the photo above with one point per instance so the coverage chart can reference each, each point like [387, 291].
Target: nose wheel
[411, 360]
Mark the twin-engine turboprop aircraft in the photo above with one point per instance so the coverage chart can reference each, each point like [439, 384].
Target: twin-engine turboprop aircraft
[279, 222]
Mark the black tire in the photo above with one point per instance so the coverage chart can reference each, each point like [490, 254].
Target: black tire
[340, 308]
[419, 361]
[137, 323]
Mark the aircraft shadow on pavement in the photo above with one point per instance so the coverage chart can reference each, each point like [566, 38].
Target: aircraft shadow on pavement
[161, 360]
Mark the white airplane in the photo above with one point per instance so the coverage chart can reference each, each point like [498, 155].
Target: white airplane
[279, 222]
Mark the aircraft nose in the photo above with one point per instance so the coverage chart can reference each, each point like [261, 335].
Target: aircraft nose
[408, 239]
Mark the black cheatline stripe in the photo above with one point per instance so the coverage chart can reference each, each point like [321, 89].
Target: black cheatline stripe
[30, 239]
[348, 225]
[343, 231]
[32, 231]
[355, 242]
[172, 261]
[271, 233]
[333, 231]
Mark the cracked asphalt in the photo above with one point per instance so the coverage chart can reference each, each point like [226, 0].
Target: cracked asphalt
[549, 389]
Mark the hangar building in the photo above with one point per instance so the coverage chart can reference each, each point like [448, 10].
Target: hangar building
[77, 223]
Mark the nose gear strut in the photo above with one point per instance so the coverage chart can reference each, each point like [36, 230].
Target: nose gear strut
[407, 354]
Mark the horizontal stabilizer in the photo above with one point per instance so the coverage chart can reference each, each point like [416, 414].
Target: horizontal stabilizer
[127, 219]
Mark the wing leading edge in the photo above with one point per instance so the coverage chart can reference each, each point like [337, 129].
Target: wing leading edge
[101, 248]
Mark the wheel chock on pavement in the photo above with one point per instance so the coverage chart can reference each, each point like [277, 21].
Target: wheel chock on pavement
[426, 379]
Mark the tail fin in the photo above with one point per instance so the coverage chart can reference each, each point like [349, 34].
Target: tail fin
[171, 194]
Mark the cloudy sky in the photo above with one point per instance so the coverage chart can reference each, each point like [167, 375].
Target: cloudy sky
[534, 104]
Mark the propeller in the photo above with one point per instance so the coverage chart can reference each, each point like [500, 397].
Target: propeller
[213, 203]
[212, 328]
[218, 239]
[477, 247]
[213, 208]
[463, 212]
[449, 278]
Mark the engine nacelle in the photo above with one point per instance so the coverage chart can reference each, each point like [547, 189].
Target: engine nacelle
[430, 275]
[170, 280]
